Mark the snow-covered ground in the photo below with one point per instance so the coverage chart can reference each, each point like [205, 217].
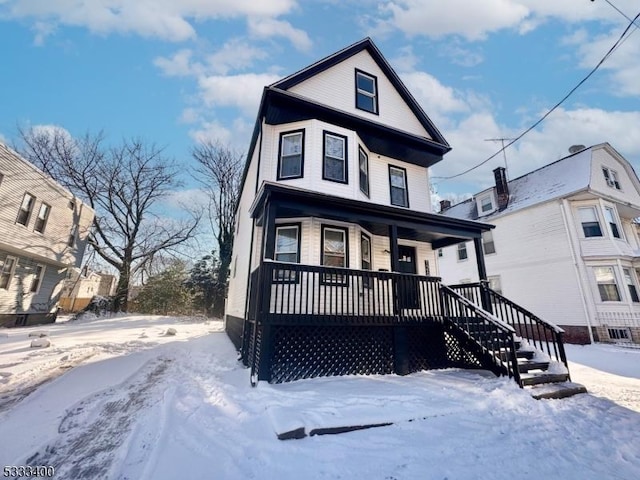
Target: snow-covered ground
[118, 398]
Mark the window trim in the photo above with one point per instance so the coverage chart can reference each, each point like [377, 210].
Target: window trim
[485, 234]
[280, 144]
[630, 281]
[37, 278]
[295, 278]
[611, 177]
[615, 283]
[345, 160]
[492, 205]
[375, 96]
[366, 281]
[362, 151]
[462, 246]
[29, 212]
[325, 280]
[11, 273]
[594, 209]
[44, 221]
[73, 236]
[615, 222]
[406, 186]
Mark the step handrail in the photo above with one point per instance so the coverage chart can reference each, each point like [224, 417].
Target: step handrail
[483, 313]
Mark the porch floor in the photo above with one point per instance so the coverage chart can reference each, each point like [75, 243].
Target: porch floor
[340, 404]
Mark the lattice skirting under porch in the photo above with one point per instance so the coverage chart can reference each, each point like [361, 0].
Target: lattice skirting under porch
[284, 353]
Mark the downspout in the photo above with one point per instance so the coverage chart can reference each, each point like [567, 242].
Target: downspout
[564, 205]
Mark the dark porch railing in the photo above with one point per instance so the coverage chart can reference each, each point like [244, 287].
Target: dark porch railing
[295, 293]
[539, 333]
[495, 338]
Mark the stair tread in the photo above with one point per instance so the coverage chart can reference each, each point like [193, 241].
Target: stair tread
[556, 390]
[531, 365]
[537, 378]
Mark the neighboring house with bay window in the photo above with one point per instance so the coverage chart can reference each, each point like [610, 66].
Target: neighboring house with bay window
[44, 233]
[333, 269]
[565, 245]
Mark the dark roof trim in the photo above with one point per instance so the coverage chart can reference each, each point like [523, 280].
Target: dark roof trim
[402, 216]
[366, 44]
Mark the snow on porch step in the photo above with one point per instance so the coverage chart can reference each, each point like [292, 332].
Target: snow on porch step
[537, 378]
[556, 390]
[528, 365]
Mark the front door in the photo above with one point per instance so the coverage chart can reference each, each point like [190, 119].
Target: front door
[408, 286]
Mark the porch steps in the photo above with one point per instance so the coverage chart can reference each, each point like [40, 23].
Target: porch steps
[556, 390]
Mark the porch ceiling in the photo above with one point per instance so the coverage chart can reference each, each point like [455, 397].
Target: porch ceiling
[438, 230]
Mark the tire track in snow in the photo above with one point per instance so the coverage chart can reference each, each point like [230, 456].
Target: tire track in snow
[91, 434]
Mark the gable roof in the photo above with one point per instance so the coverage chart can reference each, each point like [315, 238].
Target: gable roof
[368, 45]
[563, 177]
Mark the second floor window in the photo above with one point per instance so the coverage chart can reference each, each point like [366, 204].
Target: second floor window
[607, 286]
[462, 251]
[590, 223]
[610, 216]
[398, 186]
[41, 219]
[335, 158]
[291, 158]
[364, 171]
[487, 243]
[26, 207]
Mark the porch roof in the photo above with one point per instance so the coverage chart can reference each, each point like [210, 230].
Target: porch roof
[438, 230]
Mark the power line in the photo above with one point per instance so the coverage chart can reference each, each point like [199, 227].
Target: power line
[620, 39]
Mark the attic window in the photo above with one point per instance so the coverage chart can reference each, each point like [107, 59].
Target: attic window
[611, 177]
[366, 92]
[486, 204]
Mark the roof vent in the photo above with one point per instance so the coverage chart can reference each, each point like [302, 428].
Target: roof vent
[576, 148]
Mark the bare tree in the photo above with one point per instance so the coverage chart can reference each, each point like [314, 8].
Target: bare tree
[219, 170]
[123, 184]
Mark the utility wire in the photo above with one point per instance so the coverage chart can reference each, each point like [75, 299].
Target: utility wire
[617, 43]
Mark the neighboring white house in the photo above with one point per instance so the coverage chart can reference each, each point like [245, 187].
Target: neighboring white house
[81, 285]
[44, 232]
[565, 244]
[333, 267]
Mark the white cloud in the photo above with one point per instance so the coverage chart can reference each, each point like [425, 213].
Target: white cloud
[242, 91]
[179, 64]
[211, 131]
[263, 27]
[167, 19]
[234, 55]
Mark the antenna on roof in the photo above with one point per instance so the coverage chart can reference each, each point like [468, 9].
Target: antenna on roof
[504, 153]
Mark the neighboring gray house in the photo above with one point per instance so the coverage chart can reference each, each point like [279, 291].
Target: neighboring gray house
[565, 244]
[44, 231]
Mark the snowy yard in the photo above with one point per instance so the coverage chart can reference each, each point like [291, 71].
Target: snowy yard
[119, 398]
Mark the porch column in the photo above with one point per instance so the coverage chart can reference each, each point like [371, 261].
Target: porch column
[400, 341]
[482, 274]
[268, 252]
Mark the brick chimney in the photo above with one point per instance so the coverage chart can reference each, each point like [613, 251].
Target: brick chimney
[502, 188]
[444, 204]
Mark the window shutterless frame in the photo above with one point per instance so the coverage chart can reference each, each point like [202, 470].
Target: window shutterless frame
[335, 253]
[26, 207]
[291, 155]
[41, 219]
[363, 167]
[365, 258]
[334, 157]
[287, 249]
[590, 222]
[7, 271]
[38, 275]
[398, 190]
[366, 92]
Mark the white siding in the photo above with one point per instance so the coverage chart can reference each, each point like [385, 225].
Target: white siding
[417, 177]
[628, 192]
[534, 262]
[335, 87]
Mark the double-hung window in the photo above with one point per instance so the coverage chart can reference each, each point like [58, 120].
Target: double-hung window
[366, 92]
[398, 186]
[488, 245]
[631, 285]
[610, 216]
[41, 219]
[72, 235]
[462, 251]
[590, 222]
[38, 274]
[607, 286]
[486, 204]
[334, 252]
[365, 252]
[26, 207]
[363, 163]
[335, 158]
[287, 249]
[611, 177]
[8, 268]
[291, 158]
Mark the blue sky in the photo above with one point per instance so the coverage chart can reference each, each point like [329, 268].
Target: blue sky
[176, 73]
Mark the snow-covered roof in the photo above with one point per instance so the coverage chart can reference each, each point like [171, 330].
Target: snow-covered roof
[556, 180]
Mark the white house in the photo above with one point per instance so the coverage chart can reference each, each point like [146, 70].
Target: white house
[81, 285]
[565, 243]
[333, 268]
[44, 232]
